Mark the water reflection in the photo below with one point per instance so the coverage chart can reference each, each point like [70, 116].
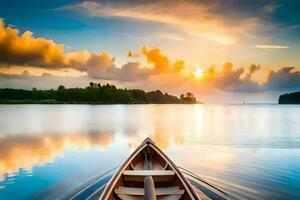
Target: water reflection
[26, 151]
[245, 150]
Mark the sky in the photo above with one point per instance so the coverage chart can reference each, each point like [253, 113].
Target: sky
[222, 51]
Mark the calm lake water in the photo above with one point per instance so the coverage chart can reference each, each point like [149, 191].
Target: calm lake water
[250, 151]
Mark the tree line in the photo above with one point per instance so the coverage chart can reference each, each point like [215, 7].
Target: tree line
[291, 98]
[94, 93]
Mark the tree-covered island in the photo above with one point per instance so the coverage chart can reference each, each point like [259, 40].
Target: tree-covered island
[291, 98]
[95, 93]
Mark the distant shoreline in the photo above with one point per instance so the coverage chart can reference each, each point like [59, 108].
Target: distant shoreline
[21, 102]
[290, 98]
[95, 94]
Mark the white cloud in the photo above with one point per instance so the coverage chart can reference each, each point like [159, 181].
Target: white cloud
[263, 46]
[191, 17]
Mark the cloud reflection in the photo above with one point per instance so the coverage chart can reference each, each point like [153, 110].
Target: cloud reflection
[24, 152]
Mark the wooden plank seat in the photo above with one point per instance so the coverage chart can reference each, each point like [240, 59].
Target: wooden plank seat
[148, 170]
[158, 191]
[130, 197]
[157, 175]
[133, 197]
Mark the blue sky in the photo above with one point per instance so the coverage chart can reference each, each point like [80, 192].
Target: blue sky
[105, 33]
[201, 33]
[45, 19]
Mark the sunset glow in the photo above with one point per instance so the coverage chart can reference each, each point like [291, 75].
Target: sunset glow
[198, 73]
[90, 41]
[203, 94]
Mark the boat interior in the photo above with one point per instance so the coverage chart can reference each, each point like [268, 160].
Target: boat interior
[149, 174]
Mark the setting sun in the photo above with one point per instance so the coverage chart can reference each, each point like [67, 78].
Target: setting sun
[198, 72]
[214, 84]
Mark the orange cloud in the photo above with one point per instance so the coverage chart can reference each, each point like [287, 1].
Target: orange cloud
[34, 60]
[24, 49]
[133, 54]
[161, 62]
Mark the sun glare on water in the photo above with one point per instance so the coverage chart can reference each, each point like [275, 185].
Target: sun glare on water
[198, 73]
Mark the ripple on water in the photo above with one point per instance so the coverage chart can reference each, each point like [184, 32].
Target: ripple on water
[251, 152]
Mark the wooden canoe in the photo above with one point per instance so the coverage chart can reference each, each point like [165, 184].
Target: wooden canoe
[148, 174]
